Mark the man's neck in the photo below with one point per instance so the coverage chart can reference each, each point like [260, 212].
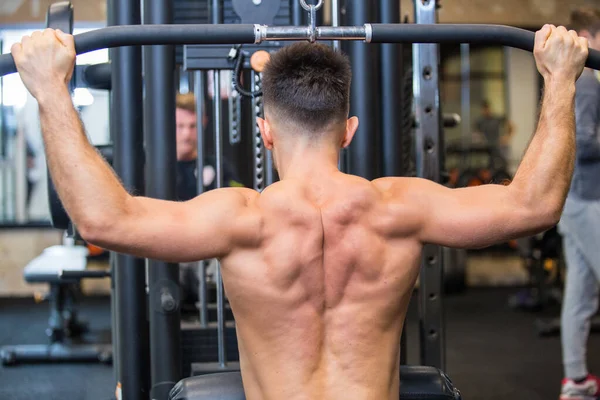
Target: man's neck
[307, 161]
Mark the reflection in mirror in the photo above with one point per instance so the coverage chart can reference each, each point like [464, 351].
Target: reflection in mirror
[23, 173]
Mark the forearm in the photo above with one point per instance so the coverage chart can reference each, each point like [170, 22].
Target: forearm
[544, 176]
[87, 186]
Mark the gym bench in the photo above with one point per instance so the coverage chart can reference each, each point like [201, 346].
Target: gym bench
[62, 267]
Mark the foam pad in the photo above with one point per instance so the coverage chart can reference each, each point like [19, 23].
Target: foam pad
[416, 383]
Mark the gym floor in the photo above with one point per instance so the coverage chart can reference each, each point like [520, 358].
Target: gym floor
[493, 352]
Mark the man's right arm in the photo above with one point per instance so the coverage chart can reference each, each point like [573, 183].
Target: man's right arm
[587, 102]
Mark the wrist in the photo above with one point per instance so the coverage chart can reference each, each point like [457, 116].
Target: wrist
[52, 94]
[559, 83]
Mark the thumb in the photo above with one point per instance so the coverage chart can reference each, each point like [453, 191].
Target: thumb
[66, 39]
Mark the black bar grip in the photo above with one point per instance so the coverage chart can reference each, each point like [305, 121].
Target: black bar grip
[147, 35]
[463, 33]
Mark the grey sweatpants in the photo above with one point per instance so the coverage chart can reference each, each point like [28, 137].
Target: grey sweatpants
[580, 227]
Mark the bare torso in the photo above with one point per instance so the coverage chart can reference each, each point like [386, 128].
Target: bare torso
[321, 291]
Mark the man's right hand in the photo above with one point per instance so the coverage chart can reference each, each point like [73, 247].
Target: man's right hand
[560, 54]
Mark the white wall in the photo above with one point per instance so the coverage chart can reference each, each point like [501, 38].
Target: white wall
[522, 92]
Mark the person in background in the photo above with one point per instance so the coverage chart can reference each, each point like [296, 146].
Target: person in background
[187, 153]
[580, 225]
[495, 130]
[187, 181]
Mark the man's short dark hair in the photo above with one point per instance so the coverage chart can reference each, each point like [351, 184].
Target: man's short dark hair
[308, 85]
[586, 18]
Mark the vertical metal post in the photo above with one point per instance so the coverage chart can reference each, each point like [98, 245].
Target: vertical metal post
[364, 100]
[335, 19]
[114, 321]
[3, 159]
[391, 95]
[391, 103]
[129, 273]
[216, 13]
[428, 150]
[219, 184]
[297, 13]
[465, 97]
[163, 278]
[199, 95]
[270, 173]
[343, 163]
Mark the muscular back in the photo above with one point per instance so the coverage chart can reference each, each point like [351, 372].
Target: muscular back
[320, 296]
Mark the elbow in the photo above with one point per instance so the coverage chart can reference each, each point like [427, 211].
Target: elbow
[94, 231]
[545, 216]
[551, 216]
[105, 229]
[538, 214]
[101, 226]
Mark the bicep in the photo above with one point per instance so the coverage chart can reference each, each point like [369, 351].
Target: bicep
[201, 228]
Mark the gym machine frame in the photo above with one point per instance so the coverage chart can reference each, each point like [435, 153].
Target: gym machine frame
[214, 59]
[428, 160]
[428, 115]
[131, 339]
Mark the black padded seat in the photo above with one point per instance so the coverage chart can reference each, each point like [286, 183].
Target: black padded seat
[416, 383]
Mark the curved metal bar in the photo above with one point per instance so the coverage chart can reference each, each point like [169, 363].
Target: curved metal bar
[139, 35]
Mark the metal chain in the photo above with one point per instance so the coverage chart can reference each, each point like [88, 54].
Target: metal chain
[258, 147]
[307, 7]
[235, 109]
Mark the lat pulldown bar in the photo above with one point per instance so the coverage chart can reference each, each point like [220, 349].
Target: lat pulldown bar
[146, 35]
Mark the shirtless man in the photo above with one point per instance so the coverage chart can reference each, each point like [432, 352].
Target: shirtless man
[319, 267]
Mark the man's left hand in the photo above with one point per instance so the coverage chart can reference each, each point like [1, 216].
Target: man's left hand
[45, 61]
